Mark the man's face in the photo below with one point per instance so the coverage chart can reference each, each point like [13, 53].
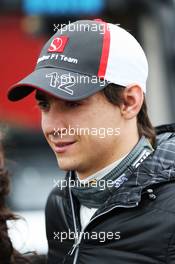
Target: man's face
[84, 135]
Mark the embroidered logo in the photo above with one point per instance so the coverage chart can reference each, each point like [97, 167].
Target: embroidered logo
[120, 180]
[58, 44]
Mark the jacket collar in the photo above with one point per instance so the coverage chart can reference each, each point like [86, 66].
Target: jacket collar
[157, 168]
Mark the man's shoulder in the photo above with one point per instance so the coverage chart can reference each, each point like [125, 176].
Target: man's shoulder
[57, 194]
[165, 134]
[164, 152]
[165, 128]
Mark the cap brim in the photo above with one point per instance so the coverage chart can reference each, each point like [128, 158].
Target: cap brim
[57, 82]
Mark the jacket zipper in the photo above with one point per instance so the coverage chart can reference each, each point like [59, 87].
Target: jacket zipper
[75, 246]
[74, 220]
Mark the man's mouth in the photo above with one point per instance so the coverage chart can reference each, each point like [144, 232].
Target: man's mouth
[62, 146]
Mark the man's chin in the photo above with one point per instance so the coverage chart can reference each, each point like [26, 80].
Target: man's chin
[65, 165]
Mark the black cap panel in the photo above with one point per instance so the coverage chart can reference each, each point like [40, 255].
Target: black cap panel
[80, 53]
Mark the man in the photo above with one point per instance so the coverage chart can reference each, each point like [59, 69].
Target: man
[116, 204]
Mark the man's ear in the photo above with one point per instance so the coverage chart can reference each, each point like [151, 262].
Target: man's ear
[132, 101]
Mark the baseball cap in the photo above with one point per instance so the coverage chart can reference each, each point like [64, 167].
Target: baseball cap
[82, 58]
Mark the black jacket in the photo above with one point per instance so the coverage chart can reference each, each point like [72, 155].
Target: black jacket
[140, 216]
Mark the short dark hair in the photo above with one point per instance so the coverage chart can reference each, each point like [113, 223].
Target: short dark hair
[114, 94]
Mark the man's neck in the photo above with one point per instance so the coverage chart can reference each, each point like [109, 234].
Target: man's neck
[101, 173]
[124, 148]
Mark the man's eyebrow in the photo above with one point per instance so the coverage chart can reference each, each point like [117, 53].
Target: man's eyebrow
[39, 95]
[42, 96]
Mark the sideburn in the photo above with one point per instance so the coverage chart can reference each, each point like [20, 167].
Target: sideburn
[114, 94]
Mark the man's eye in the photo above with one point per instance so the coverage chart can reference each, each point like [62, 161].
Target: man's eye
[43, 105]
[73, 104]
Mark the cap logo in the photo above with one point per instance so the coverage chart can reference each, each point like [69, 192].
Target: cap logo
[58, 44]
[63, 82]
